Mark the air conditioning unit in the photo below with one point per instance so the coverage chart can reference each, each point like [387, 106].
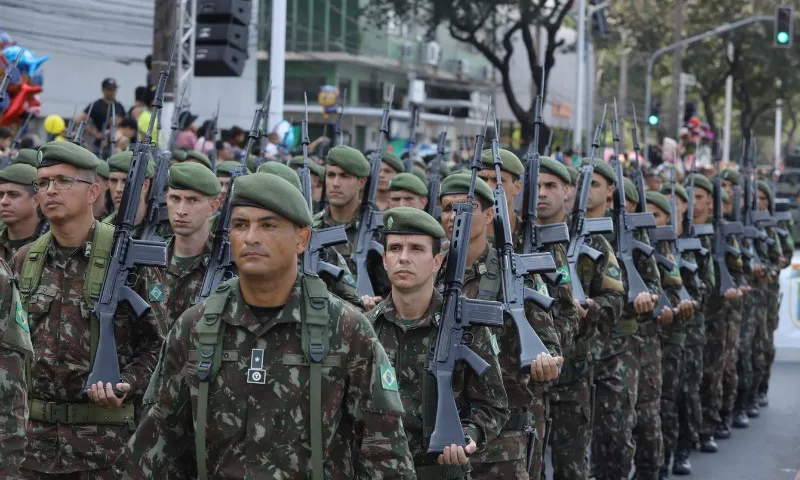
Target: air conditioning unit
[462, 67]
[407, 51]
[432, 53]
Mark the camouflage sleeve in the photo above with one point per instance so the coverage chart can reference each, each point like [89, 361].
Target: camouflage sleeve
[775, 252]
[165, 429]
[564, 311]
[150, 331]
[543, 324]
[15, 345]
[375, 407]
[606, 288]
[486, 396]
[648, 269]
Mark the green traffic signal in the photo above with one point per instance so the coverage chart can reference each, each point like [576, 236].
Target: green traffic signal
[653, 120]
[783, 38]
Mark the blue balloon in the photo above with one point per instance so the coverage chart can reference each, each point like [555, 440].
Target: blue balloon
[28, 60]
[38, 78]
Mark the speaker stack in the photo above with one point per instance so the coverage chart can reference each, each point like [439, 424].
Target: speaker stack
[221, 39]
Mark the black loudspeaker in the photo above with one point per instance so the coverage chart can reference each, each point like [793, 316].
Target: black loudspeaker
[222, 34]
[218, 61]
[224, 11]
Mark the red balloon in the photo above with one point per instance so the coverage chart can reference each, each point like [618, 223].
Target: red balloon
[16, 108]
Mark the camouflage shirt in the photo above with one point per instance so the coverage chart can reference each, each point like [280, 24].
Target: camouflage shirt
[671, 284]
[262, 430]
[15, 345]
[183, 281]
[481, 401]
[9, 247]
[380, 281]
[60, 331]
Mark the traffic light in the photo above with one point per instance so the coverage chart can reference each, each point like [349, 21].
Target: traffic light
[784, 23]
[655, 110]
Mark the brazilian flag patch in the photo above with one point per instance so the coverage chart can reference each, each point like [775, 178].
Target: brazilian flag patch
[388, 378]
[613, 272]
[156, 292]
[349, 279]
[675, 272]
[565, 276]
[542, 288]
[22, 318]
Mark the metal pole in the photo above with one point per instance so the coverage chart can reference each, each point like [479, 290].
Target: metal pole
[590, 73]
[778, 131]
[726, 144]
[277, 54]
[681, 104]
[686, 41]
[579, 78]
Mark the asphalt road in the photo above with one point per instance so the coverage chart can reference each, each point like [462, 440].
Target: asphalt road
[769, 449]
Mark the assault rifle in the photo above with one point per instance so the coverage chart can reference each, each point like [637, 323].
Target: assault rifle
[68, 131]
[338, 136]
[582, 228]
[322, 238]
[371, 218]
[412, 137]
[99, 152]
[723, 231]
[549, 143]
[7, 76]
[127, 253]
[515, 269]
[675, 245]
[212, 155]
[434, 174]
[458, 313]
[628, 223]
[77, 139]
[752, 217]
[219, 263]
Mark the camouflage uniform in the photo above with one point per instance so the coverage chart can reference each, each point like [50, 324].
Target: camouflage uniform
[690, 408]
[262, 430]
[9, 247]
[787, 248]
[506, 455]
[730, 377]
[764, 346]
[183, 281]
[571, 397]
[721, 316]
[15, 347]
[377, 274]
[60, 331]
[481, 401]
[617, 377]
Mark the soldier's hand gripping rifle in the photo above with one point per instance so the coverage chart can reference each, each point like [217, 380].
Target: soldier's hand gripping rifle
[371, 218]
[7, 76]
[220, 263]
[723, 232]
[320, 238]
[515, 268]
[582, 228]
[458, 313]
[434, 174]
[127, 253]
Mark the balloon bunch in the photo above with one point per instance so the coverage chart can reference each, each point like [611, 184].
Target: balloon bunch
[21, 98]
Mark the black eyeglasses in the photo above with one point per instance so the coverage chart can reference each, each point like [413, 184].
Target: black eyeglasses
[61, 183]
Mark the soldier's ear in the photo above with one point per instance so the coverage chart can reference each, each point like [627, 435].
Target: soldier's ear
[303, 237]
[437, 262]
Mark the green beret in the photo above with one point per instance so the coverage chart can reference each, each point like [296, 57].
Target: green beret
[603, 169]
[659, 200]
[725, 197]
[102, 169]
[701, 181]
[679, 191]
[314, 167]
[731, 176]
[408, 182]
[192, 176]
[350, 160]
[55, 152]
[420, 173]
[554, 167]
[179, 155]
[394, 161]
[459, 183]
[271, 192]
[764, 187]
[121, 162]
[573, 175]
[631, 193]
[224, 168]
[20, 173]
[27, 156]
[282, 171]
[411, 221]
[197, 156]
[511, 163]
[444, 170]
[419, 162]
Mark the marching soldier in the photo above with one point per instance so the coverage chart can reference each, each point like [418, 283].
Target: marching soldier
[15, 351]
[407, 190]
[391, 165]
[224, 177]
[60, 276]
[119, 164]
[272, 363]
[406, 327]
[506, 455]
[18, 208]
[191, 201]
[571, 399]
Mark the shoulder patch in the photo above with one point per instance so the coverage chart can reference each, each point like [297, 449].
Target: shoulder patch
[675, 272]
[388, 378]
[613, 272]
[21, 317]
[155, 292]
[565, 276]
[349, 279]
[541, 287]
